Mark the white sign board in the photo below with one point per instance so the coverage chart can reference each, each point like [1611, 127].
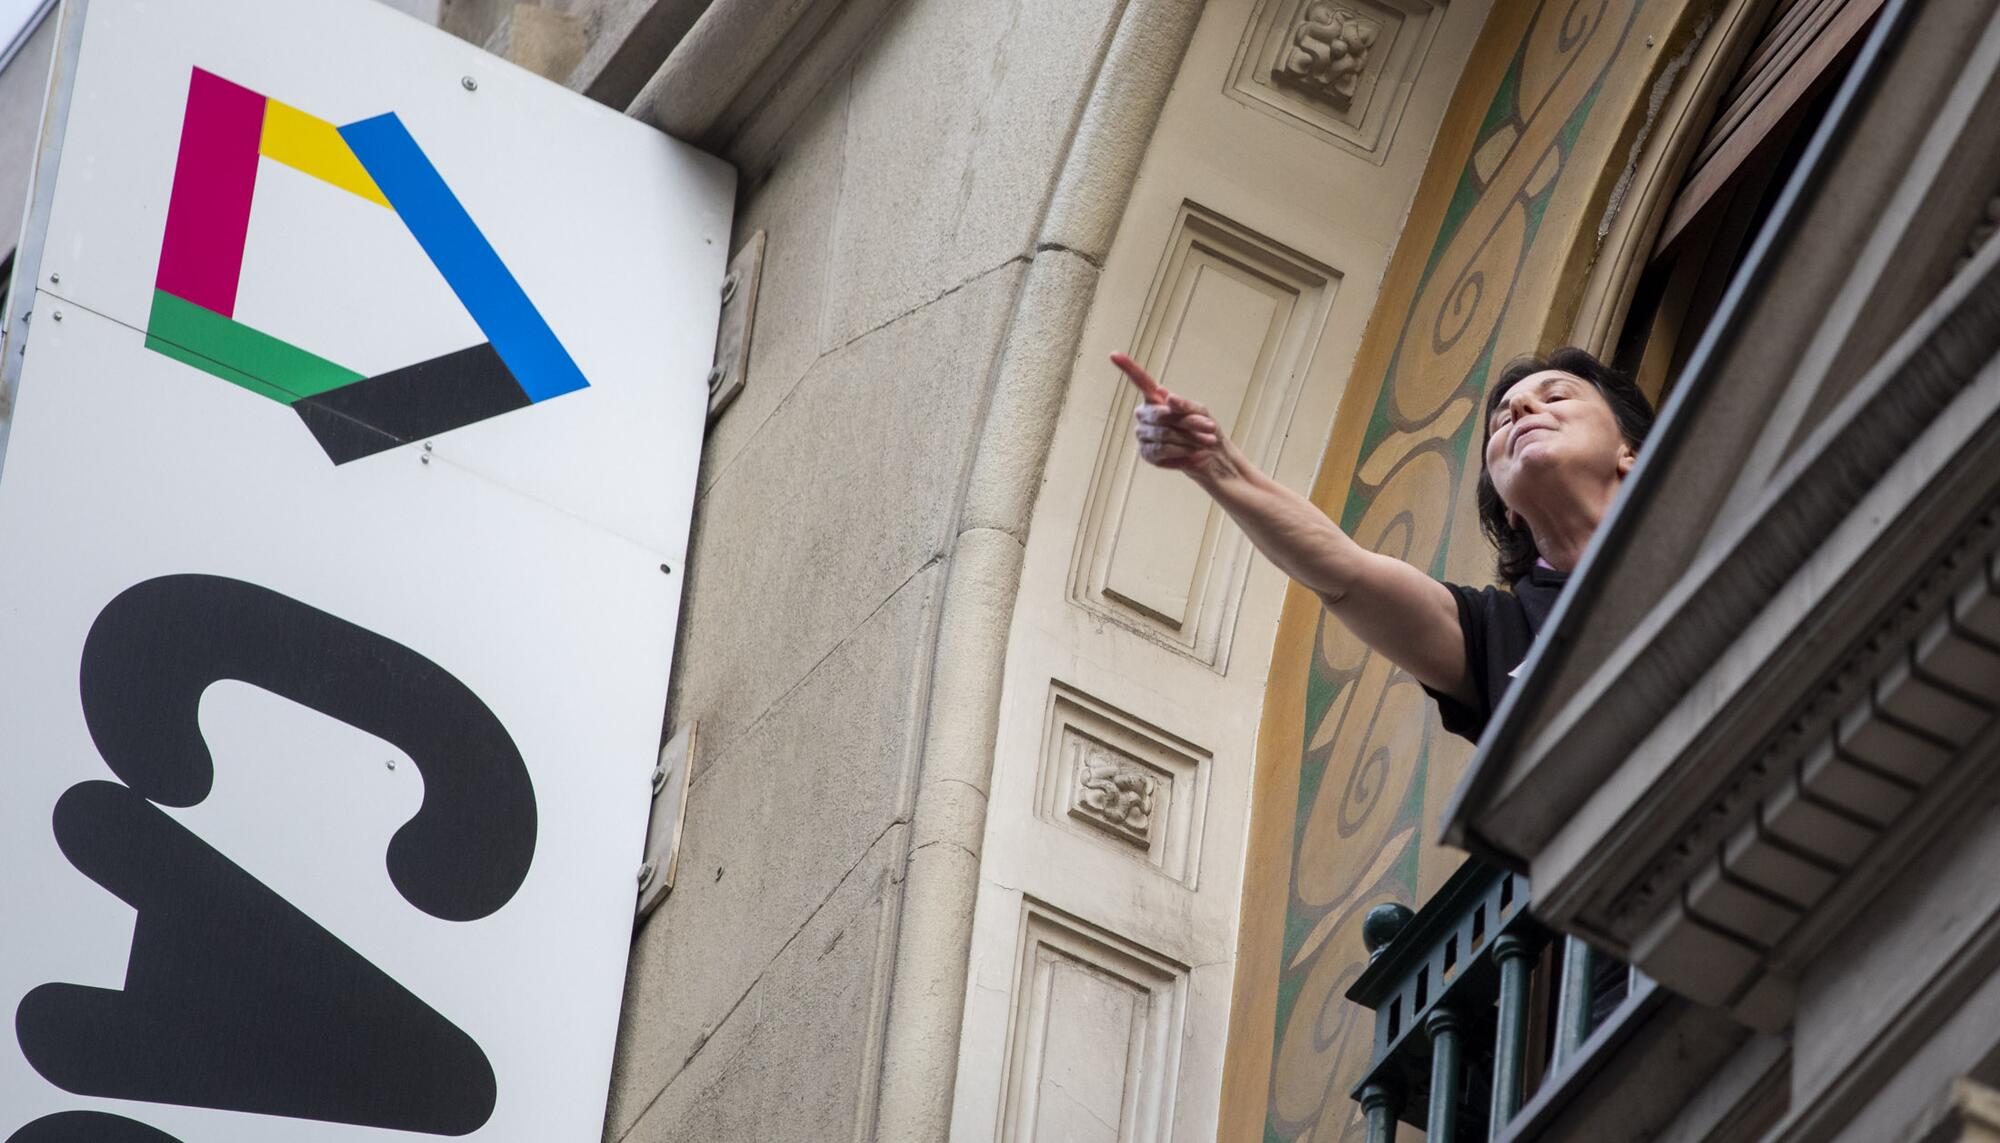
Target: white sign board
[342, 520]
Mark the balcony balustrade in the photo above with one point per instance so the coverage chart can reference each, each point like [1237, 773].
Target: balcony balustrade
[1485, 1022]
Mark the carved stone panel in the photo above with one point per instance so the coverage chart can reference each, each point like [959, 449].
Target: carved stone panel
[1340, 69]
[1232, 321]
[1114, 792]
[1117, 780]
[1326, 52]
[1094, 1043]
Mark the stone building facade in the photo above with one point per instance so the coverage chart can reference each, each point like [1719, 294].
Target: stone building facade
[1027, 804]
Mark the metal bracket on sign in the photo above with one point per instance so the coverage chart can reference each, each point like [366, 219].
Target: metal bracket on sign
[663, 828]
[739, 317]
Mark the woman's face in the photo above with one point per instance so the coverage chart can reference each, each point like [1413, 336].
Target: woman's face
[1552, 434]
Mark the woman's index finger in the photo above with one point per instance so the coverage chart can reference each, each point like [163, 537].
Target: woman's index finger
[1154, 393]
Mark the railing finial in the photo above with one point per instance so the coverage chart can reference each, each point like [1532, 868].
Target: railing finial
[1382, 925]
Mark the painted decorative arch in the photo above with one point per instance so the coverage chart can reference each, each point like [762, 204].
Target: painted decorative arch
[1353, 769]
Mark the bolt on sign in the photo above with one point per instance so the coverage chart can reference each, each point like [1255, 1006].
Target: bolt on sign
[342, 506]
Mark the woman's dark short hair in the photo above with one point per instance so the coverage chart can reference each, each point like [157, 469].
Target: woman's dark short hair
[1515, 547]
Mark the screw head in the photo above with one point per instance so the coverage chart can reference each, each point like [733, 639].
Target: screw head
[57, 315]
[55, 279]
[390, 763]
[646, 872]
[469, 83]
[659, 778]
[729, 285]
[424, 459]
[428, 446]
[715, 378]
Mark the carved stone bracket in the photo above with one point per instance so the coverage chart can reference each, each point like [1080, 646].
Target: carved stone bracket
[1326, 51]
[1114, 794]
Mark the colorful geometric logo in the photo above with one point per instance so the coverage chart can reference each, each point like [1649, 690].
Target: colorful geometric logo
[227, 129]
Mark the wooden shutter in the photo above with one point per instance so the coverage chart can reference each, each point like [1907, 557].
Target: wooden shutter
[1799, 53]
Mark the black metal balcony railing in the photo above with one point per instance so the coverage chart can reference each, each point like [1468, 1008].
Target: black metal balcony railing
[1478, 1008]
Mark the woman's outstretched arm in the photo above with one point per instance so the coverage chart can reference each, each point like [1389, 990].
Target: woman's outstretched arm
[1393, 607]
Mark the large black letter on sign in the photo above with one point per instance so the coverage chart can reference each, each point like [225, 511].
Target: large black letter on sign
[159, 645]
[233, 998]
[88, 1127]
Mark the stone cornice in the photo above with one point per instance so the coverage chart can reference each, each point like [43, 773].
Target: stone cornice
[1842, 697]
[1834, 664]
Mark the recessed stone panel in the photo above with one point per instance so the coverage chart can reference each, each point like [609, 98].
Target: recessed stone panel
[1232, 321]
[1094, 1043]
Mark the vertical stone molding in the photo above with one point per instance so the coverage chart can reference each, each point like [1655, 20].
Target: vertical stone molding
[920, 1041]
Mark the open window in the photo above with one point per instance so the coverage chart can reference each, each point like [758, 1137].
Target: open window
[1721, 172]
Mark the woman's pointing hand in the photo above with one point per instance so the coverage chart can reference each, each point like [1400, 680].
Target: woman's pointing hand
[1396, 608]
[1173, 431]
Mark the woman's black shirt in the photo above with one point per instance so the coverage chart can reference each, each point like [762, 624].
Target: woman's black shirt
[1499, 629]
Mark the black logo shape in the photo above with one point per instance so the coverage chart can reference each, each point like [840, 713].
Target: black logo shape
[160, 644]
[88, 1127]
[234, 999]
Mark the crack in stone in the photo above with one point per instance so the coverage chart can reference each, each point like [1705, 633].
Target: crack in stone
[1079, 1104]
[839, 644]
[730, 465]
[708, 1031]
[945, 841]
